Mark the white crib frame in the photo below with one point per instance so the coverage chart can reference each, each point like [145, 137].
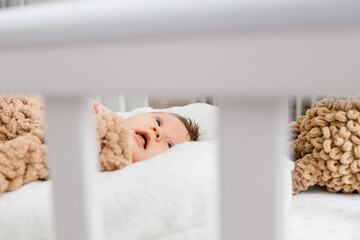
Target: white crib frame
[249, 54]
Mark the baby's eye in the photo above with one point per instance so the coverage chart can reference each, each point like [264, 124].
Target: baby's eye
[169, 145]
[158, 122]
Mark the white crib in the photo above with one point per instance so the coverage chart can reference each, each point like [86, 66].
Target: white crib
[249, 54]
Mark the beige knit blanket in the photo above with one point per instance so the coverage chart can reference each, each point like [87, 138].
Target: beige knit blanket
[23, 152]
[326, 146]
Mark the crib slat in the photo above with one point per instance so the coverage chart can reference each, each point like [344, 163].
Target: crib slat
[251, 152]
[73, 163]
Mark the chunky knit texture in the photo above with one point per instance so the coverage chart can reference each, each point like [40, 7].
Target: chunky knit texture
[22, 142]
[326, 144]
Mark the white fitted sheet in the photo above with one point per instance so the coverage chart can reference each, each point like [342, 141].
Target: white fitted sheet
[318, 214]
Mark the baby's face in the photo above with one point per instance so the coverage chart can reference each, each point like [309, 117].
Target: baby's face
[154, 133]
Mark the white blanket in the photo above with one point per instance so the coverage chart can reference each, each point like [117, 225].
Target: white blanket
[171, 196]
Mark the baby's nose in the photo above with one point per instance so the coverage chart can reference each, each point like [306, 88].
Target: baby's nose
[158, 133]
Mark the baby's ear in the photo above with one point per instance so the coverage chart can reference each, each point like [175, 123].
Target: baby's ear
[113, 136]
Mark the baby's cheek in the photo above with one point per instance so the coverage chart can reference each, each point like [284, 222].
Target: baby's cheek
[134, 151]
[139, 155]
[162, 149]
[154, 152]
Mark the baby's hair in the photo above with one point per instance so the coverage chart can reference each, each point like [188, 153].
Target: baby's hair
[191, 126]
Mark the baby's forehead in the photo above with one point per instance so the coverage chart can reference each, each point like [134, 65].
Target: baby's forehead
[151, 114]
[165, 115]
[159, 113]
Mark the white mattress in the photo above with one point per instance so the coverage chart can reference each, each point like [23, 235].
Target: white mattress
[318, 214]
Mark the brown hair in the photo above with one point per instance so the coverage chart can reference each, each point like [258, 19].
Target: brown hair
[191, 126]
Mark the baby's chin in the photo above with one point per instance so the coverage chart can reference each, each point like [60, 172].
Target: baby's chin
[136, 157]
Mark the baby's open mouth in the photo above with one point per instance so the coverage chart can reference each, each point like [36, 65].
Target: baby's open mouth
[145, 136]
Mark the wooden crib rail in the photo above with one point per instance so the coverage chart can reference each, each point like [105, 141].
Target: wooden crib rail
[206, 41]
[59, 23]
[249, 54]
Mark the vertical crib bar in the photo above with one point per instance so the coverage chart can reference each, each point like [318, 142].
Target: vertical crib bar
[71, 138]
[251, 152]
[299, 106]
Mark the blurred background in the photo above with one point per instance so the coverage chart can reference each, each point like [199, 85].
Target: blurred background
[12, 3]
[124, 102]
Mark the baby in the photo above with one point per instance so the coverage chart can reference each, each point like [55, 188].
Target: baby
[155, 132]
[23, 150]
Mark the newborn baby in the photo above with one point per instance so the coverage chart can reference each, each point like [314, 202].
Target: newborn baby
[155, 132]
